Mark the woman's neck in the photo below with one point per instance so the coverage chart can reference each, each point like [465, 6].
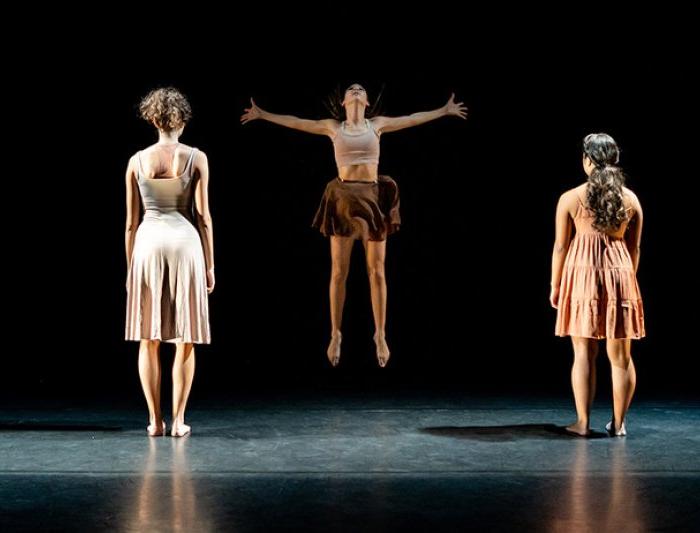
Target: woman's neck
[354, 114]
[168, 137]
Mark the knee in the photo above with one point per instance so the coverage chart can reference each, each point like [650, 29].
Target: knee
[339, 275]
[375, 271]
[150, 344]
[586, 356]
[185, 351]
[585, 350]
[619, 358]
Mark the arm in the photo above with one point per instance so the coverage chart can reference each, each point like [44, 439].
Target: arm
[562, 240]
[318, 127]
[387, 124]
[203, 216]
[133, 210]
[633, 235]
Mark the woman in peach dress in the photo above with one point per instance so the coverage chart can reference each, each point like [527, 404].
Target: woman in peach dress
[594, 283]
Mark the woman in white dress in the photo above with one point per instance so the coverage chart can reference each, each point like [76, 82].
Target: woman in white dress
[169, 254]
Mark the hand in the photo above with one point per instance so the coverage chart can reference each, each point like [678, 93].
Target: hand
[457, 109]
[554, 297]
[210, 281]
[251, 113]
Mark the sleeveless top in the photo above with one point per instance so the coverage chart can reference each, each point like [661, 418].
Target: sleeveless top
[356, 148]
[167, 194]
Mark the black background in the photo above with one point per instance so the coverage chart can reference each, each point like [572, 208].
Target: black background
[468, 273]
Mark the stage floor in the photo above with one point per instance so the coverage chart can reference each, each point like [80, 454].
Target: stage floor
[347, 463]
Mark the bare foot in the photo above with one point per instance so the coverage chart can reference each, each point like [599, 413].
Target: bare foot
[614, 431]
[382, 349]
[579, 428]
[333, 351]
[154, 431]
[180, 430]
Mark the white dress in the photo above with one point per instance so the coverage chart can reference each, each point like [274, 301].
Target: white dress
[166, 283]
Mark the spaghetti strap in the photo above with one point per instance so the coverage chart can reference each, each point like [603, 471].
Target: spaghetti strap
[140, 169]
[188, 166]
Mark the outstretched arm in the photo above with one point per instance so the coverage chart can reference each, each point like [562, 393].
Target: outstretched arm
[133, 210]
[318, 127]
[451, 108]
[204, 222]
[561, 246]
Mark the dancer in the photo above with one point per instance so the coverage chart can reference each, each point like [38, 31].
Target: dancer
[169, 255]
[360, 203]
[594, 284]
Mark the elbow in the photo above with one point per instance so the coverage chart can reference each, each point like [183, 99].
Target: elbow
[204, 222]
[560, 248]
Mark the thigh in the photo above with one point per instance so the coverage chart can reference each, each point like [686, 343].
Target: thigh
[341, 249]
[375, 252]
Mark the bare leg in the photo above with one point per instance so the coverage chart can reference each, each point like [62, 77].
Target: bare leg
[624, 378]
[583, 379]
[341, 249]
[183, 373]
[149, 372]
[375, 253]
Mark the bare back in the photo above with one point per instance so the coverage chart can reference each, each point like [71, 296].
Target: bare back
[165, 161]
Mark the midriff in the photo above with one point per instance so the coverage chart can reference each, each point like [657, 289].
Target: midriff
[363, 172]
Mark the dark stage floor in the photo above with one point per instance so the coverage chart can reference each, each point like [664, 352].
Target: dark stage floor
[392, 463]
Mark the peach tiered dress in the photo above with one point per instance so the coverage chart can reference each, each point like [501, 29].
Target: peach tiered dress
[599, 295]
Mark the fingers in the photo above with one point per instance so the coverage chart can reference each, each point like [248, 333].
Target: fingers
[252, 102]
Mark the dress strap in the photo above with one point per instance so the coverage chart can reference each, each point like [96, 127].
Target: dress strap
[188, 166]
[140, 165]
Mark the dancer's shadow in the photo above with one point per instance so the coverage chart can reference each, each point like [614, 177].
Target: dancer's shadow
[35, 425]
[508, 433]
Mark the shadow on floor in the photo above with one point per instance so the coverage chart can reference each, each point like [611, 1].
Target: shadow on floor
[508, 433]
[44, 426]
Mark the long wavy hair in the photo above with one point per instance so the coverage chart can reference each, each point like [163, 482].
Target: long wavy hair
[604, 191]
[334, 103]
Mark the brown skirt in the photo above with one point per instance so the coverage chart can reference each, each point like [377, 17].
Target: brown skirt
[359, 209]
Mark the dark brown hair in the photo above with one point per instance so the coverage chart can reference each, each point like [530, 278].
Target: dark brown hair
[604, 191]
[334, 103]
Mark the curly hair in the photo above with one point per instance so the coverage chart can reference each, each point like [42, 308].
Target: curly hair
[334, 104]
[166, 108]
[604, 191]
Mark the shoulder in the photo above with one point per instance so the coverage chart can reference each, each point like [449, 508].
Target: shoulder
[572, 196]
[629, 193]
[199, 158]
[196, 152]
[378, 122]
[631, 199]
[569, 201]
[331, 125]
[133, 163]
